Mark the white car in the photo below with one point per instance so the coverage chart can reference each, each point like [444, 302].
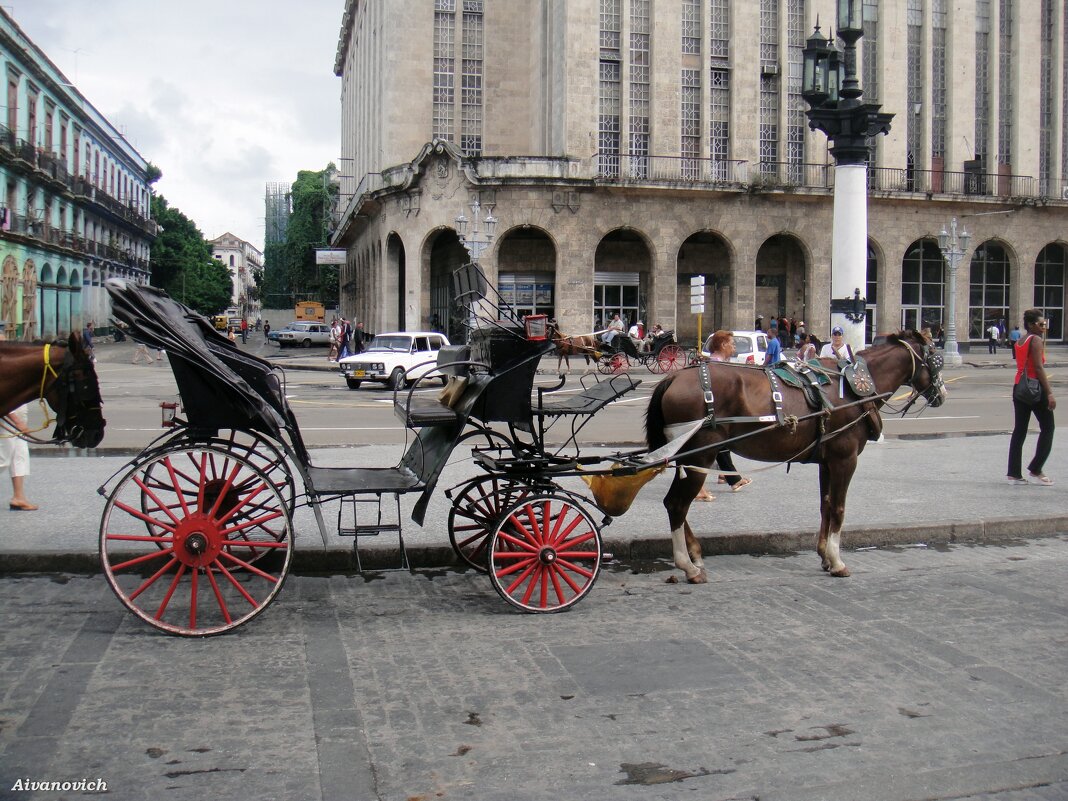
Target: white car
[750, 347]
[304, 335]
[388, 358]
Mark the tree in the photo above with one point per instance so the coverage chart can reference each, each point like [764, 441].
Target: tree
[182, 263]
[290, 271]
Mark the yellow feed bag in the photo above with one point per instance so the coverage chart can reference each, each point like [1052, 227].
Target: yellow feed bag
[615, 494]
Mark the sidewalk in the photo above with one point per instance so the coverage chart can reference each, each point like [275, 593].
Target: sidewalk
[905, 493]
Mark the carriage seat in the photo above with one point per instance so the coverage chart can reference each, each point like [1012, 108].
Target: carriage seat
[419, 411]
[591, 399]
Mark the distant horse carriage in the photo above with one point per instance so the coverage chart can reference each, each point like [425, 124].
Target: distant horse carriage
[664, 354]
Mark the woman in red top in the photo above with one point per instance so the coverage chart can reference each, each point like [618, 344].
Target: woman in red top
[1030, 358]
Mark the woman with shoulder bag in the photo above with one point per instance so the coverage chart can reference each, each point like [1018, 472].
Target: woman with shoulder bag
[1031, 394]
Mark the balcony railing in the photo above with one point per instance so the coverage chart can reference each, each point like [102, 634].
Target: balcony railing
[674, 169]
[889, 179]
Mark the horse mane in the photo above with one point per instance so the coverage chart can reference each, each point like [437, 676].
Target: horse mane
[902, 335]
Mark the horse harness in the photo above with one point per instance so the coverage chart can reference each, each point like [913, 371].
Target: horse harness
[807, 378]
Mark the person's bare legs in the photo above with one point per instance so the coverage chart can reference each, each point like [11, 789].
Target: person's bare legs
[18, 494]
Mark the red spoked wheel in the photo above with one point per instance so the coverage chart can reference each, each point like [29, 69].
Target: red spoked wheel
[475, 511]
[614, 364]
[219, 542]
[545, 554]
[671, 358]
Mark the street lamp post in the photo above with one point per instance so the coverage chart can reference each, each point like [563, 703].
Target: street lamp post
[953, 248]
[830, 87]
[471, 239]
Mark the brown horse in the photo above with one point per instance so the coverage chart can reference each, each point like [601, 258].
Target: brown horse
[834, 438]
[61, 374]
[584, 345]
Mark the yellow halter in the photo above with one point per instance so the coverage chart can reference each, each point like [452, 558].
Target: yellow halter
[9, 430]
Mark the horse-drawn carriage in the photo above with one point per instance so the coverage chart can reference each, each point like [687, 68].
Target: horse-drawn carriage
[197, 533]
[660, 353]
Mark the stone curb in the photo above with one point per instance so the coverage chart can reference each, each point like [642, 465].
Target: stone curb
[319, 561]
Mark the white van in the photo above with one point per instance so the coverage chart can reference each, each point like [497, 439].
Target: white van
[750, 347]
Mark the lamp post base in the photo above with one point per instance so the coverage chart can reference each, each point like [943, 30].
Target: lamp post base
[952, 358]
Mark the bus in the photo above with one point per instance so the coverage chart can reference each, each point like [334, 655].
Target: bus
[310, 311]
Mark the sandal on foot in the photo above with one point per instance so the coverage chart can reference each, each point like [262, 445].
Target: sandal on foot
[24, 507]
[1016, 481]
[721, 479]
[745, 482]
[1041, 480]
[705, 498]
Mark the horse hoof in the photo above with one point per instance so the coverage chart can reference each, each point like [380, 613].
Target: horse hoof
[826, 566]
[842, 572]
[700, 578]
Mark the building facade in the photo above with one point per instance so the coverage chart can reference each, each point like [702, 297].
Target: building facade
[75, 204]
[625, 146]
[244, 262]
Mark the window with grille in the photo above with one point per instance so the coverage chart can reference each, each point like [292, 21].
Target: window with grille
[608, 126]
[719, 129]
[1049, 288]
[769, 88]
[870, 67]
[938, 81]
[471, 79]
[795, 104]
[914, 88]
[611, 18]
[988, 294]
[720, 28]
[1045, 101]
[690, 144]
[982, 79]
[1005, 83]
[639, 89]
[691, 26]
[444, 69]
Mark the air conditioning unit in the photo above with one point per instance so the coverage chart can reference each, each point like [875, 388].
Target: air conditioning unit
[769, 68]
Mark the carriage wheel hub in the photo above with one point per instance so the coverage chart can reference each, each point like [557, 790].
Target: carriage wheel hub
[547, 555]
[198, 540]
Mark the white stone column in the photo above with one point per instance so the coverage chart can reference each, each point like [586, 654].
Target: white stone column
[849, 249]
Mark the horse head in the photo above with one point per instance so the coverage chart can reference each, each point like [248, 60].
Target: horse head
[927, 363]
[75, 397]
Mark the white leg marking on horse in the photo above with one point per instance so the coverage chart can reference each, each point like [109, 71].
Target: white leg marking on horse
[682, 556]
[834, 556]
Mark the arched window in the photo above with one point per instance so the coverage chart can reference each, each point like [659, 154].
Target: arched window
[922, 286]
[988, 296]
[1049, 288]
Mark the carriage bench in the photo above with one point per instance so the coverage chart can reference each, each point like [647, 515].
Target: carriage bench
[416, 411]
[591, 399]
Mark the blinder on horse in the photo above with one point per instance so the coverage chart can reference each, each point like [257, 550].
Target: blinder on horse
[929, 357]
[77, 402]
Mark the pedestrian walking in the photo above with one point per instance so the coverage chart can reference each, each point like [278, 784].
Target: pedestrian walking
[808, 348]
[359, 339]
[267, 332]
[142, 351]
[87, 340]
[230, 334]
[1014, 340]
[722, 349]
[837, 349]
[992, 336]
[1030, 361]
[244, 331]
[15, 457]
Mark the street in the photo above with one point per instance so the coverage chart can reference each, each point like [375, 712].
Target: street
[330, 414]
[931, 674]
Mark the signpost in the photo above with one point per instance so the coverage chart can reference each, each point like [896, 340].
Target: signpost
[697, 302]
[329, 256]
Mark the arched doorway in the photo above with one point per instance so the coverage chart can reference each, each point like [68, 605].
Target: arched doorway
[705, 254]
[621, 268]
[871, 318]
[780, 279]
[446, 255]
[396, 283]
[47, 302]
[526, 271]
[988, 290]
[923, 287]
[75, 299]
[1049, 288]
[29, 302]
[62, 302]
[9, 281]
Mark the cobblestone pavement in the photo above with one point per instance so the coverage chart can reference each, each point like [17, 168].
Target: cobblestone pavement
[933, 673]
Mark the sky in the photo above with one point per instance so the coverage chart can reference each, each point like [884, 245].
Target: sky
[222, 96]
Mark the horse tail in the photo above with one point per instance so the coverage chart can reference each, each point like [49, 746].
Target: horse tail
[654, 416]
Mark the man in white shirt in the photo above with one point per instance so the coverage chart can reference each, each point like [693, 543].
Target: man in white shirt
[993, 334]
[837, 349]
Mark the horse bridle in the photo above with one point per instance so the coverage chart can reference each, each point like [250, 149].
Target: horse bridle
[930, 358]
[73, 381]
